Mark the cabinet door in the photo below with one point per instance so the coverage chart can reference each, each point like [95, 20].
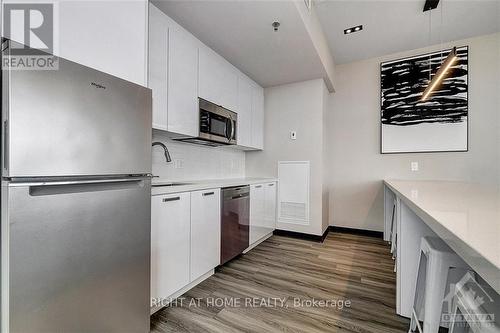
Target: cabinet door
[229, 93]
[270, 206]
[182, 82]
[110, 36]
[244, 110]
[257, 209]
[258, 118]
[170, 237]
[218, 80]
[205, 231]
[158, 60]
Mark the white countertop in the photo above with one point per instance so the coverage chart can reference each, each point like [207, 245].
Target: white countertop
[465, 215]
[195, 185]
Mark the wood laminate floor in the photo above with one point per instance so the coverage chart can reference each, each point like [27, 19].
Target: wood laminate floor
[269, 288]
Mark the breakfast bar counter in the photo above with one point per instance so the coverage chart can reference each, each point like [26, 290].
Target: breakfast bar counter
[465, 215]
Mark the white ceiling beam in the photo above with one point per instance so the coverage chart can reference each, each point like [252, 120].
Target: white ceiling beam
[318, 38]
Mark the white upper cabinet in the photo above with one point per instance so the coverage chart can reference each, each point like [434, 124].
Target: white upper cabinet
[181, 69]
[158, 62]
[244, 110]
[110, 36]
[258, 118]
[182, 82]
[218, 80]
[173, 75]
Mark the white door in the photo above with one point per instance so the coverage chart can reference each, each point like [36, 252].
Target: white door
[257, 209]
[183, 109]
[244, 110]
[270, 206]
[158, 60]
[205, 231]
[258, 118]
[170, 237]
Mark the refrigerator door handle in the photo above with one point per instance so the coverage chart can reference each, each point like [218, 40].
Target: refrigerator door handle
[51, 188]
[5, 145]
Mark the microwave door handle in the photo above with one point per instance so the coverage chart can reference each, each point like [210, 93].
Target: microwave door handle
[229, 123]
[233, 128]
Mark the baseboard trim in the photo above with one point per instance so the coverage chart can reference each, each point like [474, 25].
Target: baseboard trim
[165, 301]
[257, 242]
[300, 235]
[362, 232]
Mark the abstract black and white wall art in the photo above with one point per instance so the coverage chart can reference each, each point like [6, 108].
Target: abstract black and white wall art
[437, 124]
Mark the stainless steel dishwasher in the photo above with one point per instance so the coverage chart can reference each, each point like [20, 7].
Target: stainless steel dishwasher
[235, 217]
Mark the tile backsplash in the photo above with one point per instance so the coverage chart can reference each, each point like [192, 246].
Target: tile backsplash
[195, 162]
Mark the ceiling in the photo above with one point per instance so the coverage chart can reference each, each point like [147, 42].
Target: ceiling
[393, 26]
[242, 32]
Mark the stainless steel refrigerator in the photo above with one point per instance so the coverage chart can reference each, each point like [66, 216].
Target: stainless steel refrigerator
[75, 201]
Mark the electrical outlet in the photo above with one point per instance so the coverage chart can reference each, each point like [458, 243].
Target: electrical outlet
[414, 166]
[293, 135]
[178, 164]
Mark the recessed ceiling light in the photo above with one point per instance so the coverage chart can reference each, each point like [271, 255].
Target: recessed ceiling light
[353, 29]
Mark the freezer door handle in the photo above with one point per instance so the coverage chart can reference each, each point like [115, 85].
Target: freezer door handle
[51, 188]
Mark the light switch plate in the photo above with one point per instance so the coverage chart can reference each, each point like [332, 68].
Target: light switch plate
[414, 166]
[293, 135]
[178, 164]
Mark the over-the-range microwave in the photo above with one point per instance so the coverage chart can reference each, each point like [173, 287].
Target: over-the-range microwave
[218, 125]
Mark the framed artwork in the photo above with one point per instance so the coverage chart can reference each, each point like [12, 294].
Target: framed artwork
[438, 124]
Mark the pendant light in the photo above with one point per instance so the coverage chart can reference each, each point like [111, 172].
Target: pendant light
[445, 66]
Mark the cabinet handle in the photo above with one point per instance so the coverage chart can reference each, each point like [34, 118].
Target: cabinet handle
[171, 199]
[208, 193]
[271, 184]
[258, 186]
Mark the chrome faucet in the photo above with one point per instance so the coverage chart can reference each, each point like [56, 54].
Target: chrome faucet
[167, 154]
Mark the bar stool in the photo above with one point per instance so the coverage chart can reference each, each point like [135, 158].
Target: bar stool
[468, 314]
[436, 261]
[394, 232]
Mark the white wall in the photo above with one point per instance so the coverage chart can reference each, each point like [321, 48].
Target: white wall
[198, 162]
[298, 107]
[356, 167]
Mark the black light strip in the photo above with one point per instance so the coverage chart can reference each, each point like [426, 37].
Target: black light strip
[357, 28]
[430, 5]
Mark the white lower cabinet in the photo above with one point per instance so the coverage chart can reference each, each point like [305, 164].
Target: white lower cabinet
[205, 231]
[185, 240]
[270, 205]
[257, 228]
[262, 210]
[186, 235]
[170, 243]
